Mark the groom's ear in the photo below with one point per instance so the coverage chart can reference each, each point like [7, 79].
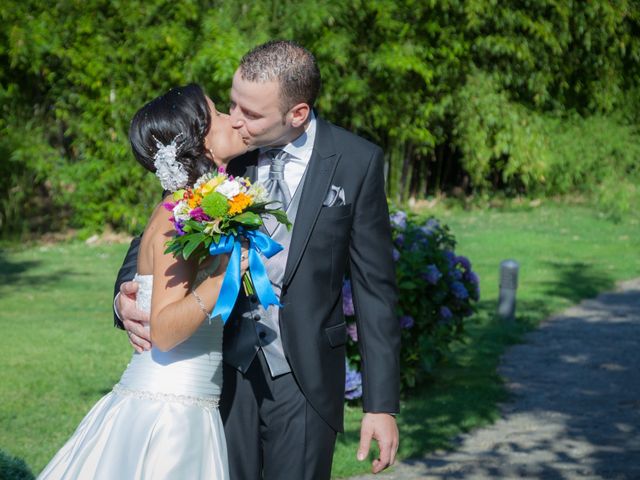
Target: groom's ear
[299, 114]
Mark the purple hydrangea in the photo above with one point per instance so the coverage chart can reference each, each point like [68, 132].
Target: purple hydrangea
[352, 383]
[396, 255]
[472, 277]
[459, 290]
[445, 313]
[399, 239]
[432, 274]
[398, 220]
[463, 262]
[450, 256]
[406, 321]
[430, 227]
[352, 331]
[455, 274]
[347, 299]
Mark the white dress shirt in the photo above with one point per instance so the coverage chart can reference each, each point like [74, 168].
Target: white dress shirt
[296, 160]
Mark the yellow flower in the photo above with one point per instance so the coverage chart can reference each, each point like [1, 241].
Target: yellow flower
[238, 203]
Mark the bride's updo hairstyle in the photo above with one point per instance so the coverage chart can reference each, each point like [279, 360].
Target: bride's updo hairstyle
[182, 117]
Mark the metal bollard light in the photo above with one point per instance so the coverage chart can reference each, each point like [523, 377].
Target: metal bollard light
[508, 286]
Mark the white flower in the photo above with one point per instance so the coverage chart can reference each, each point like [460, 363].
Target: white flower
[203, 179]
[257, 192]
[181, 211]
[229, 188]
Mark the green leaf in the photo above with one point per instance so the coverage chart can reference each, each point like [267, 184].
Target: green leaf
[194, 241]
[281, 216]
[249, 219]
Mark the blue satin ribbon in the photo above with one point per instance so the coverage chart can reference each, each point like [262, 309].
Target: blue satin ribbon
[259, 243]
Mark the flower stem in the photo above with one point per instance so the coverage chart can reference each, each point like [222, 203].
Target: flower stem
[247, 284]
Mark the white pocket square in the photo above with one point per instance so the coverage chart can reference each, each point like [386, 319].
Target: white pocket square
[335, 197]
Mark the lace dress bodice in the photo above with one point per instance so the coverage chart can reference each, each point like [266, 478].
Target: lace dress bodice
[191, 372]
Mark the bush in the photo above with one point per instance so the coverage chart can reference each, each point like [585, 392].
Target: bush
[437, 291]
[596, 156]
[13, 468]
[503, 144]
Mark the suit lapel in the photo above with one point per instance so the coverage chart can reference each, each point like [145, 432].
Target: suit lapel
[322, 164]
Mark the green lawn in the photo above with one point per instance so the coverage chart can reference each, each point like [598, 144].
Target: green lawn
[59, 353]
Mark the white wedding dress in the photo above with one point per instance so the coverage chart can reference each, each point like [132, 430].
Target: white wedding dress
[160, 421]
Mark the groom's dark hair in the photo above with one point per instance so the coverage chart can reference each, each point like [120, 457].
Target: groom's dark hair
[293, 66]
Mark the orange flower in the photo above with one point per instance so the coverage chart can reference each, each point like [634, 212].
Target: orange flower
[238, 203]
[195, 200]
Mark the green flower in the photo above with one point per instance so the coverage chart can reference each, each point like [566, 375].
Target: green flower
[215, 205]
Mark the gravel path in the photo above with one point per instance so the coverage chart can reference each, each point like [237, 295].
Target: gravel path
[575, 412]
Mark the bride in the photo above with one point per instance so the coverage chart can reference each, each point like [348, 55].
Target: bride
[161, 419]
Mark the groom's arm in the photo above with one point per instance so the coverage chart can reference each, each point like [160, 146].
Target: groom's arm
[374, 293]
[126, 273]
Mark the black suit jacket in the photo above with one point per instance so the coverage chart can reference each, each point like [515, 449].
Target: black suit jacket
[325, 242]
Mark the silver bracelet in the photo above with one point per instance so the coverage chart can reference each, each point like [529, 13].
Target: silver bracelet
[200, 303]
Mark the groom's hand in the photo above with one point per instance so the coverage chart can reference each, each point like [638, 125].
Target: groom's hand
[135, 321]
[381, 427]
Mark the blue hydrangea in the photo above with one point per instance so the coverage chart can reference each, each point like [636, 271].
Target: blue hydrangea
[398, 220]
[463, 262]
[347, 299]
[432, 274]
[451, 257]
[445, 313]
[353, 383]
[459, 290]
[430, 227]
[406, 321]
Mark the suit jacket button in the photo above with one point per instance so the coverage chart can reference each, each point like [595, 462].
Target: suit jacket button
[253, 298]
[256, 318]
[262, 334]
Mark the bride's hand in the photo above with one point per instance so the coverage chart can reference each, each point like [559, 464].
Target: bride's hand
[244, 260]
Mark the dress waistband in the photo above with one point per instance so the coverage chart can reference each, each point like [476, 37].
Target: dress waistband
[209, 402]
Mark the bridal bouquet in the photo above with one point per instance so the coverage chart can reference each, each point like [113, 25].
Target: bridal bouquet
[214, 217]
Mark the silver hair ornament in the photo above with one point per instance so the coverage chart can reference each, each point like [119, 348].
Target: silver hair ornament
[172, 174]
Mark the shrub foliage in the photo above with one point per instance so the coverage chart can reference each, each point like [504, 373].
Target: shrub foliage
[437, 290]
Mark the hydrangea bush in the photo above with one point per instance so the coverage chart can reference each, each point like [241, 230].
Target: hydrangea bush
[437, 290]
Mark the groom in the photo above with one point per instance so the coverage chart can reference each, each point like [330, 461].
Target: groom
[284, 373]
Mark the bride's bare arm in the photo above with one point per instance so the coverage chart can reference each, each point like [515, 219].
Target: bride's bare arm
[175, 311]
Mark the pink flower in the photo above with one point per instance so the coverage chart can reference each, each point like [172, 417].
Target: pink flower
[198, 215]
[352, 330]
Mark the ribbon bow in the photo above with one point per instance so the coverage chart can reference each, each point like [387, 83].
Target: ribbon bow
[259, 244]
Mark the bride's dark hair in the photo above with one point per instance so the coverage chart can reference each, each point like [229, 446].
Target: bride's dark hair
[181, 114]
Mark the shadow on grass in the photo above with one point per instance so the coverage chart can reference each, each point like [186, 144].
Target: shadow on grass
[576, 281]
[465, 389]
[18, 273]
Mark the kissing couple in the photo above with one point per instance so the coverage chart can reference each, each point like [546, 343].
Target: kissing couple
[262, 396]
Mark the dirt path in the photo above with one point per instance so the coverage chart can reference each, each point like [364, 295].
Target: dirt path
[575, 411]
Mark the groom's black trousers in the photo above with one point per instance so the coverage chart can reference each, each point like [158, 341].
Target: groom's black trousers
[272, 431]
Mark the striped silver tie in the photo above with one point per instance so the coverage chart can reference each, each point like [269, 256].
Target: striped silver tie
[276, 186]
